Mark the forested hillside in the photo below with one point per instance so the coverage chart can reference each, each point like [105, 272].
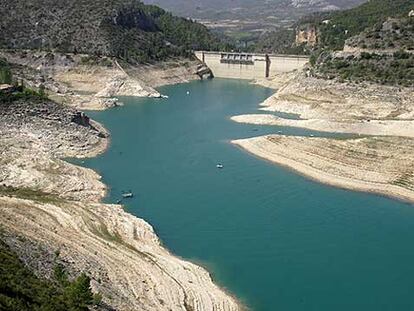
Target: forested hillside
[123, 28]
[395, 33]
[335, 27]
[21, 290]
[281, 41]
[378, 38]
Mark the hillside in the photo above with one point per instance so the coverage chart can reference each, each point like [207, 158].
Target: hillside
[21, 290]
[389, 69]
[245, 20]
[206, 9]
[374, 42]
[382, 54]
[281, 41]
[336, 27]
[122, 28]
[393, 34]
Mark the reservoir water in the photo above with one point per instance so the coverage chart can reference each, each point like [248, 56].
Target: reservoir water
[275, 239]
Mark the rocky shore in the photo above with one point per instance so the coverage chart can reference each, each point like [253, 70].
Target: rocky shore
[381, 165]
[382, 117]
[49, 208]
[91, 82]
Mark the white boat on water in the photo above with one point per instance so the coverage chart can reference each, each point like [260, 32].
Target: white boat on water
[220, 165]
[127, 194]
[164, 96]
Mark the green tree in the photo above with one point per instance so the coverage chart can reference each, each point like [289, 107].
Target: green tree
[21, 290]
[79, 294]
[5, 73]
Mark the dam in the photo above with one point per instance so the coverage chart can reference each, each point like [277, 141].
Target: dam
[249, 65]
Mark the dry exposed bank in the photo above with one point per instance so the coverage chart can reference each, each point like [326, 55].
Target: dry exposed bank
[93, 83]
[49, 207]
[376, 164]
[380, 163]
[403, 128]
[120, 252]
[313, 98]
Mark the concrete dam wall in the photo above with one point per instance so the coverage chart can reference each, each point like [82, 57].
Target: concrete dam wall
[249, 66]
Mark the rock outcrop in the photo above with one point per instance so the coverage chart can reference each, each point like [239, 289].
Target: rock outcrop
[125, 86]
[307, 34]
[90, 82]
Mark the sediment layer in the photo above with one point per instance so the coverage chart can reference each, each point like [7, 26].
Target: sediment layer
[120, 252]
[373, 164]
[91, 82]
[379, 160]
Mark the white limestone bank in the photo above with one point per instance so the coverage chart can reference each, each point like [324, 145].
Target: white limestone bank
[381, 162]
[92, 83]
[378, 165]
[120, 252]
[404, 128]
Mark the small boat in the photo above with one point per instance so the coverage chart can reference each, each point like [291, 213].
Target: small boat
[128, 194]
[118, 201]
[220, 165]
[164, 96]
[188, 92]
[311, 135]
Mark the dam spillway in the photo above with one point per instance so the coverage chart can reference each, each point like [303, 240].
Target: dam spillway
[249, 65]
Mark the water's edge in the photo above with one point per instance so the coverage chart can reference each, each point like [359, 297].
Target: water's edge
[203, 214]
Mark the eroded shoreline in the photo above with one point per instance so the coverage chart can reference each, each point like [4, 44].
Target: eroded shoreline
[378, 161]
[305, 164]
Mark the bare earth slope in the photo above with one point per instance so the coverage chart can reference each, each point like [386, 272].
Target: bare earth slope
[373, 164]
[90, 82]
[379, 161]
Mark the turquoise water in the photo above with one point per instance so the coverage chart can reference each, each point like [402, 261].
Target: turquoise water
[273, 238]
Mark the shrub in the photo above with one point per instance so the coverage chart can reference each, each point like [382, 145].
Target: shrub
[21, 290]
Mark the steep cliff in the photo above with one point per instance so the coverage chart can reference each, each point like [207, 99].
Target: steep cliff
[306, 34]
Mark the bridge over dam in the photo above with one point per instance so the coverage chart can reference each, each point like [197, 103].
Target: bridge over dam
[249, 66]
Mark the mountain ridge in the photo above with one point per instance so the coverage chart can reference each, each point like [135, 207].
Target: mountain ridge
[121, 28]
[193, 6]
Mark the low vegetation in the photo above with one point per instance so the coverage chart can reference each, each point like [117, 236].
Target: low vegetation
[22, 93]
[336, 27]
[29, 194]
[390, 35]
[5, 72]
[21, 290]
[281, 41]
[379, 41]
[394, 69]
